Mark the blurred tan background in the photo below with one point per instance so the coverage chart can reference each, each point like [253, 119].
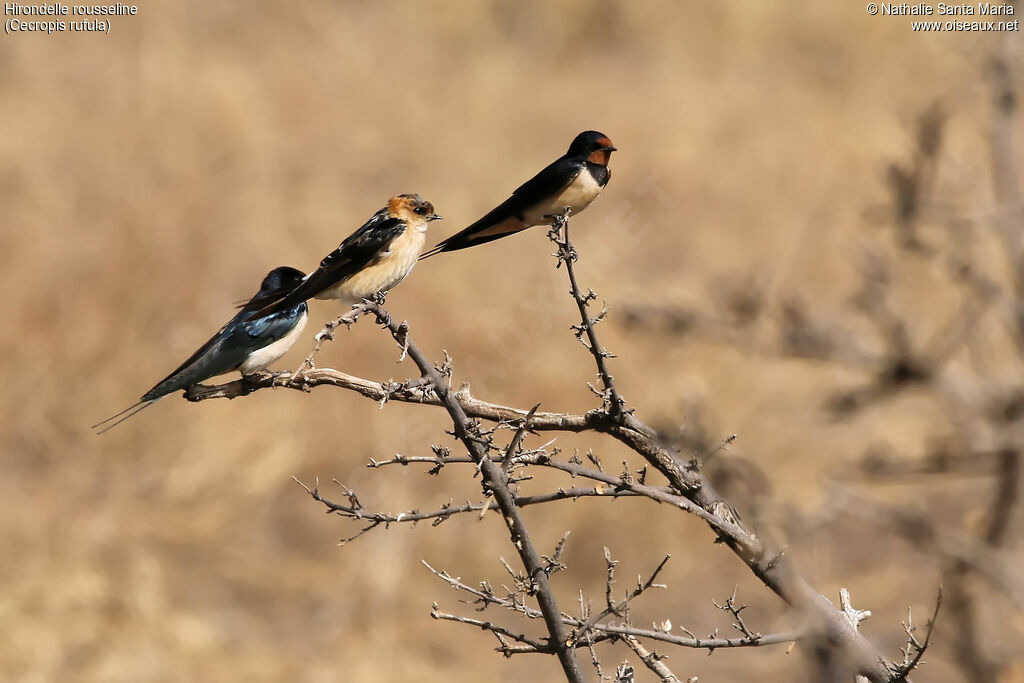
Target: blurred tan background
[151, 177]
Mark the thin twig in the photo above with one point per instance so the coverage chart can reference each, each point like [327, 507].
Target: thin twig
[659, 494]
[915, 648]
[567, 255]
[651, 660]
[450, 510]
[612, 631]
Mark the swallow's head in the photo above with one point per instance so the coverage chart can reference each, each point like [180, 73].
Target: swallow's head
[412, 208]
[593, 146]
[280, 281]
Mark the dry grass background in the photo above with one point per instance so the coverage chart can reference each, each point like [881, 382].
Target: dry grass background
[151, 177]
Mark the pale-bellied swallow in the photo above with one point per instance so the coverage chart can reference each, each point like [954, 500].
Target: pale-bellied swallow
[249, 342]
[573, 181]
[373, 259]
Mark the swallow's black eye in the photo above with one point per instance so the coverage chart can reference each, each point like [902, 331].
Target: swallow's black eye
[421, 210]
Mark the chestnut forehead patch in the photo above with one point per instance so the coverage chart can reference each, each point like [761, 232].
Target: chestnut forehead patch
[408, 202]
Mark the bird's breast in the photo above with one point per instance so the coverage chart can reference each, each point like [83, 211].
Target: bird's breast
[578, 195]
[386, 271]
[261, 359]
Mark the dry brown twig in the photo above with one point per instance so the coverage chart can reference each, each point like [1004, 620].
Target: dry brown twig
[915, 648]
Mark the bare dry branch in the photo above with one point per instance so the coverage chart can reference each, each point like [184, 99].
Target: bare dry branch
[531, 644]
[614, 405]
[770, 566]
[607, 631]
[730, 606]
[915, 648]
[449, 509]
[660, 494]
[651, 660]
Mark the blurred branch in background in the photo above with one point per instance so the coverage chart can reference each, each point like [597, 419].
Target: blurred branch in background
[962, 364]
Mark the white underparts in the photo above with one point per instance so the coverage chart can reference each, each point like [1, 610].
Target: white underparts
[578, 194]
[263, 358]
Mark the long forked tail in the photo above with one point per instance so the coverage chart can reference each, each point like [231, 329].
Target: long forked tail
[132, 412]
[433, 251]
[466, 239]
[493, 226]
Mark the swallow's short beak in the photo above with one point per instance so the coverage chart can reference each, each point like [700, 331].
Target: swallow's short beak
[609, 149]
[434, 217]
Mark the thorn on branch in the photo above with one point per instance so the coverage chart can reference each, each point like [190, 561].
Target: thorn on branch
[652, 660]
[853, 615]
[915, 648]
[609, 582]
[350, 494]
[732, 608]
[554, 563]
[612, 404]
[327, 334]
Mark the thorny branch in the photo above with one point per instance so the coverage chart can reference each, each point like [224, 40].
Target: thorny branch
[651, 660]
[730, 606]
[619, 483]
[685, 478]
[915, 648]
[449, 509]
[589, 631]
[327, 334]
[559, 234]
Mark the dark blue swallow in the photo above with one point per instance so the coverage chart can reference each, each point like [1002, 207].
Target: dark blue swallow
[249, 342]
[574, 180]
